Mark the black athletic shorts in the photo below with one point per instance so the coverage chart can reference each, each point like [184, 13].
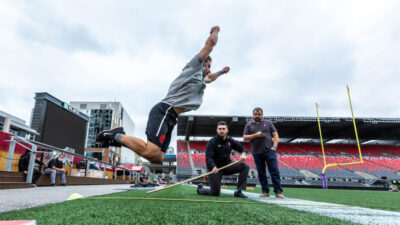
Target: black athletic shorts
[162, 120]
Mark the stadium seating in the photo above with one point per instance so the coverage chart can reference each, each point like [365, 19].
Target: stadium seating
[392, 163]
[368, 150]
[198, 145]
[183, 162]
[316, 165]
[289, 150]
[182, 146]
[368, 166]
[308, 149]
[199, 160]
[295, 157]
[377, 150]
[349, 149]
[284, 169]
[201, 145]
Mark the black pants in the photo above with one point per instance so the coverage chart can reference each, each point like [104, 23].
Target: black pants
[215, 179]
[35, 176]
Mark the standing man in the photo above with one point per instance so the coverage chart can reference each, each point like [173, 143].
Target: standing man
[56, 166]
[218, 152]
[185, 94]
[260, 132]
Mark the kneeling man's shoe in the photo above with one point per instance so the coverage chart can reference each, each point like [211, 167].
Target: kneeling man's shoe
[200, 186]
[239, 194]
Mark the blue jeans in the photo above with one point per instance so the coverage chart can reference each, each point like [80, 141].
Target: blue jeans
[53, 174]
[270, 158]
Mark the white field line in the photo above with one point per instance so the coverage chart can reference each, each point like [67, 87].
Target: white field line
[343, 212]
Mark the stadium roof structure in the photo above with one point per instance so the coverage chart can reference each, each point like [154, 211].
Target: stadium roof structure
[292, 128]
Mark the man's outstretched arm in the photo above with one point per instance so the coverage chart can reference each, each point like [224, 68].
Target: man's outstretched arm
[210, 43]
[213, 76]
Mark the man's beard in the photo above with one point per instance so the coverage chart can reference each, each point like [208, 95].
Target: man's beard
[257, 119]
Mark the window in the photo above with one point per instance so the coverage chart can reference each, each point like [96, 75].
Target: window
[2, 119]
[100, 119]
[83, 106]
[95, 155]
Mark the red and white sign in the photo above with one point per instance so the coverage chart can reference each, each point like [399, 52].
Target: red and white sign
[18, 222]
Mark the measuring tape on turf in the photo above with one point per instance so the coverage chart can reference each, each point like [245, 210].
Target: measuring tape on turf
[217, 201]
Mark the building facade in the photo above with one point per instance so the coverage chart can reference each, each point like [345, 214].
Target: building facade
[14, 125]
[58, 124]
[104, 116]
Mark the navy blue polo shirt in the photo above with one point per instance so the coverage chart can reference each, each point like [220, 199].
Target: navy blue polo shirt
[258, 145]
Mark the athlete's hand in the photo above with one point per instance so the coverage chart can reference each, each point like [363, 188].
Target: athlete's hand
[225, 69]
[215, 170]
[214, 28]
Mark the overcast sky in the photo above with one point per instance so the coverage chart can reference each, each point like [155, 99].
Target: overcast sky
[284, 55]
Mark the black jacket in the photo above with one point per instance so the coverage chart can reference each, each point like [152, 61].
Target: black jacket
[23, 162]
[55, 162]
[218, 151]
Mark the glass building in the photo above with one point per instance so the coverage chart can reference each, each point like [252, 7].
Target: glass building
[100, 119]
[104, 116]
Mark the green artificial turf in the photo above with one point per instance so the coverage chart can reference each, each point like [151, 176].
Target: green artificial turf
[369, 199]
[129, 211]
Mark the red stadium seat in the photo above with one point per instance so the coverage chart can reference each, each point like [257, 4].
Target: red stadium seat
[309, 157]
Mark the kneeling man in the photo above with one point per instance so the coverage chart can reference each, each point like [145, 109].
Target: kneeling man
[218, 153]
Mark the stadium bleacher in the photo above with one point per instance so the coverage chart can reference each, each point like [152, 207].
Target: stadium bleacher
[296, 157]
[315, 165]
[199, 160]
[183, 162]
[392, 163]
[284, 169]
[368, 166]
[378, 150]
[289, 150]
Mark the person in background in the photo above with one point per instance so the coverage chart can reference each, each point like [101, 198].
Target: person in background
[263, 137]
[218, 152]
[56, 166]
[23, 165]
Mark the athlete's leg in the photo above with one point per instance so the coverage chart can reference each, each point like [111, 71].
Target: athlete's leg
[148, 150]
[162, 119]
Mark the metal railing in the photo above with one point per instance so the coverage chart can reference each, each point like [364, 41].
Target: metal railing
[191, 159]
[16, 140]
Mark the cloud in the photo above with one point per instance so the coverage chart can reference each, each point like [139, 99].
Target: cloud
[284, 56]
[39, 24]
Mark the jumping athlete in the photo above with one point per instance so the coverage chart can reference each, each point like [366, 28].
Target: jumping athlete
[185, 94]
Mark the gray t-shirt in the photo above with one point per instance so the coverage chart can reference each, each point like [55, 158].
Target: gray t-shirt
[187, 90]
[259, 145]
